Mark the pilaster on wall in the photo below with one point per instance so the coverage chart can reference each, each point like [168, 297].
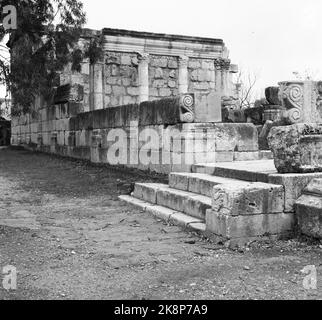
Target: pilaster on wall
[97, 86]
[222, 70]
[218, 80]
[183, 74]
[225, 76]
[144, 77]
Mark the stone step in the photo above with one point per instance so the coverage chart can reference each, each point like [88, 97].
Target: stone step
[168, 215]
[314, 188]
[242, 197]
[253, 171]
[309, 210]
[199, 183]
[189, 203]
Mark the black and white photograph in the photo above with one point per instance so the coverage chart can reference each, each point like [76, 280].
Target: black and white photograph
[160, 156]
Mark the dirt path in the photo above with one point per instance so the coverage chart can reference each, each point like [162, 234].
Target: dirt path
[64, 229]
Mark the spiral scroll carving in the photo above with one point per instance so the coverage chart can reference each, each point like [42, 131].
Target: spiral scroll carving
[293, 96]
[295, 93]
[294, 115]
[187, 108]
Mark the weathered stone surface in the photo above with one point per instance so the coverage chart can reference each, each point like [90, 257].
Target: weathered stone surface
[309, 210]
[236, 137]
[168, 215]
[273, 113]
[301, 100]
[231, 115]
[148, 67]
[248, 199]
[262, 171]
[272, 95]
[263, 135]
[183, 220]
[179, 181]
[314, 187]
[197, 182]
[160, 212]
[309, 213]
[135, 202]
[246, 156]
[186, 202]
[208, 108]
[167, 111]
[297, 148]
[147, 191]
[236, 227]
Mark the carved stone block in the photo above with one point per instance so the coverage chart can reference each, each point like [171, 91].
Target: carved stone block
[272, 95]
[297, 148]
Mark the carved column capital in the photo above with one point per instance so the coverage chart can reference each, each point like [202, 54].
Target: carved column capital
[183, 61]
[143, 57]
[222, 64]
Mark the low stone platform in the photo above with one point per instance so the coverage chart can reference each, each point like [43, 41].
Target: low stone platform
[261, 171]
[235, 202]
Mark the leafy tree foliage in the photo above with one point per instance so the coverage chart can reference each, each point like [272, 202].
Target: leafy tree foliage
[43, 43]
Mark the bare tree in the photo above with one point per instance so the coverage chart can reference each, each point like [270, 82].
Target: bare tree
[246, 83]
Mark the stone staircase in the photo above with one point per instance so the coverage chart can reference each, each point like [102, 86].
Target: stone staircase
[227, 204]
[309, 210]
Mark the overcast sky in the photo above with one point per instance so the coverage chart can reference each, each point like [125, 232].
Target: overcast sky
[271, 38]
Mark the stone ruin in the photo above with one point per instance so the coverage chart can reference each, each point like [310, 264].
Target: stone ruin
[155, 103]
[296, 143]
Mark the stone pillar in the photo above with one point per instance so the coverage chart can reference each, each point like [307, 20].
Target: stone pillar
[225, 65]
[218, 76]
[233, 69]
[95, 146]
[301, 101]
[97, 86]
[183, 74]
[144, 77]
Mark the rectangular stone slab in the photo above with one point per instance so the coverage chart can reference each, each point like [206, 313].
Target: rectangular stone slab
[309, 214]
[248, 199]
[248, 226]
[294, 185]
[198, 182]
[148, 191]
[186, 202]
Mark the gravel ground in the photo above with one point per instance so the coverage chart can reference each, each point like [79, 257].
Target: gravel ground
[64, 229]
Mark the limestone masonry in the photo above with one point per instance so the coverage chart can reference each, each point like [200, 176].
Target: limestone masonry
[155, 101]
[145, 81]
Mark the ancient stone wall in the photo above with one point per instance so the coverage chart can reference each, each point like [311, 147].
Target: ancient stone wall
[158, 135]
[140, 66]
[163, 77]
[142, 84]
[121, 79]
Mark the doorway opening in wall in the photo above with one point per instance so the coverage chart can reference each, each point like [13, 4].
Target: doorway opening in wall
[5, 132]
